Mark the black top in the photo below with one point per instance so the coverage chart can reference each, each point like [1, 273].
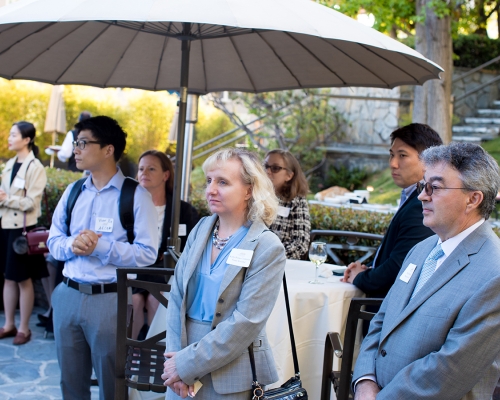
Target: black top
[404, 232]
[15, 170]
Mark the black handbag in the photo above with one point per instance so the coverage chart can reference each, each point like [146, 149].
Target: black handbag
[291, 389]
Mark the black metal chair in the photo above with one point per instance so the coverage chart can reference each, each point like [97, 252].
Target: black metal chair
[341, 380]
[347, 241]
[139, 364]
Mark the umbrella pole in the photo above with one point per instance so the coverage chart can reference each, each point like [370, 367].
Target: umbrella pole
[173, 240]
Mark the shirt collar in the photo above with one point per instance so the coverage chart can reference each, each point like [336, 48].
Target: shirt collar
[452, 243]
[116, 181]
[408, 191]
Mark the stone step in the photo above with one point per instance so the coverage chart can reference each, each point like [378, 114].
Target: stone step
[466, 139]
[489, 112]
[476, 130]
[482, 121]
[496, 103]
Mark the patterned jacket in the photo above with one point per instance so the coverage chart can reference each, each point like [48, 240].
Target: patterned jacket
[294, 230]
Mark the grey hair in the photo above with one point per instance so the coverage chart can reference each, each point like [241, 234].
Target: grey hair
[478, 170]
[263, 204]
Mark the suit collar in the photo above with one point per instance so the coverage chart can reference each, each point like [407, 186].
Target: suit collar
[453, 264]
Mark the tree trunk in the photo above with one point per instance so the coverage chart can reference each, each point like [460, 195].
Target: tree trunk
[432, 104]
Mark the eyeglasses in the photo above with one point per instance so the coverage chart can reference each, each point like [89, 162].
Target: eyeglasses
[429, 189]
[82, 143]
[274, 168]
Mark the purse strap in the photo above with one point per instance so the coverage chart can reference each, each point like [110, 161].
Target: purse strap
[256, 385]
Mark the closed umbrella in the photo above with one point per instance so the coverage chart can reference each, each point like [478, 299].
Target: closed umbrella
[212, 45]
[55, 120]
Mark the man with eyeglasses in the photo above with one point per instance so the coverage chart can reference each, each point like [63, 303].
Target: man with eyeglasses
[436, 334]
[92, 247]
[406, 228]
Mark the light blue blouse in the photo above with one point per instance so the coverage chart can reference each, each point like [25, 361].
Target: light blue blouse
[203, 287]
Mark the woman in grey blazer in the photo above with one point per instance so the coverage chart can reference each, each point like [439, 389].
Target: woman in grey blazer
[225, 286]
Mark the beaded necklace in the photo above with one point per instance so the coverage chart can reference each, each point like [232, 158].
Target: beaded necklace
[218, 242]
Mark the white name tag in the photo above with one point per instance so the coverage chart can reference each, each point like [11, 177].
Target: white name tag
[182, 230]
[19, 183]
[104, 224]
[405, 276]
[240, 257]
[283, 211]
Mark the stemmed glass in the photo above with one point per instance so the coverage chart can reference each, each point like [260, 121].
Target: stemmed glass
[317, 254]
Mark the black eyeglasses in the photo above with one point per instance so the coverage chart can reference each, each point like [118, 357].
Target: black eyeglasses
[82, 143]
[429, 189]
[274, 168]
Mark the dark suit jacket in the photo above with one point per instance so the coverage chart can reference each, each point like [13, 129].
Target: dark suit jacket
[405, 231]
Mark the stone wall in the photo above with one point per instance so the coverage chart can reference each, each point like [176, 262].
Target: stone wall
[481, 99]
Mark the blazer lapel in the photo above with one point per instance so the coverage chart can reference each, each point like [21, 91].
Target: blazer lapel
[249, 243]
[453, 264]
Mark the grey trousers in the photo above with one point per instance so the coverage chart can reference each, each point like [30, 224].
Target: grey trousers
[85, 336]
[195, 331]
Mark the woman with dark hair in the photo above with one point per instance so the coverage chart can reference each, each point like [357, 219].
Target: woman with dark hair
[23, 182]
[156, 175]
[292, 224]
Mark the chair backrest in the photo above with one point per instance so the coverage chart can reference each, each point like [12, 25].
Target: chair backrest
[333, 346]
[339, 242]
[139, 364]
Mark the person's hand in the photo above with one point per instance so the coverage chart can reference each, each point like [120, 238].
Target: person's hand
[85, 243]
[352, 270]
[366, 390]
[180, 389]
[170, 375]
[3, 195]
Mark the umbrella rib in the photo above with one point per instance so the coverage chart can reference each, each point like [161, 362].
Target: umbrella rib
[204, 66]
[316, 57]
[85, 48]
[390, 62]
[243, 64]
[279, 58]
[45, 49]
[121, 58]
[357, 62]
[412, 60]
[159, 64]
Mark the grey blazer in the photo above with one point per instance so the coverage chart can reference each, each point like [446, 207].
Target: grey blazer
[245, 302]
[445, 342]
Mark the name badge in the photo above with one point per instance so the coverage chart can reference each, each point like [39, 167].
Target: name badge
[18, 183]
[182, 230]
[283, 211]
[405, 276]
[240, 257]
[104, 224]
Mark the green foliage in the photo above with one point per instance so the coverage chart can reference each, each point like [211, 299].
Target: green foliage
[57, 182]
[348, 178]
[385, 191]
[474, 50]
[197, 198]
[296, 120]
[210, 124]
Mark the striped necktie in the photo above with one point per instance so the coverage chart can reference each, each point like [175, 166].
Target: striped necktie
[428, 268]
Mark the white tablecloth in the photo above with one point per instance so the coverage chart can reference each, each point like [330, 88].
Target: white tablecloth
[316, 310]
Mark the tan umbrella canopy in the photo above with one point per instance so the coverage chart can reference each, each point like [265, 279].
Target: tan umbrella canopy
[200, 46]
[55, 120]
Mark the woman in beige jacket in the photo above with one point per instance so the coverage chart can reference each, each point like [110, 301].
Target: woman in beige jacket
[23, 181]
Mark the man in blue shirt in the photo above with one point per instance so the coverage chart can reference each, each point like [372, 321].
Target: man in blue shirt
[92, 247]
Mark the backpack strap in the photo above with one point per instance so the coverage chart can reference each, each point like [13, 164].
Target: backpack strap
[73, 196]
[126, 207]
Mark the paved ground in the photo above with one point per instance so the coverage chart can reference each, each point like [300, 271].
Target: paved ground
[30, 371]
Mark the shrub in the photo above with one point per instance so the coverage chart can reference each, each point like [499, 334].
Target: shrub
[473, 50]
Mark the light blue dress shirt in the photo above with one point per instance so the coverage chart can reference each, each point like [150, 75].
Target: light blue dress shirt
[203, 287]
[113, 249]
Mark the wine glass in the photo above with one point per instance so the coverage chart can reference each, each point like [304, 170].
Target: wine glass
[317, 254]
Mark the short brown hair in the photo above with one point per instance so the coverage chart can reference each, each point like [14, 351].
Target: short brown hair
[166, 165]
[297, 186]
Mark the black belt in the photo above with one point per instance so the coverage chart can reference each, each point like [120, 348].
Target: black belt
[87, 288]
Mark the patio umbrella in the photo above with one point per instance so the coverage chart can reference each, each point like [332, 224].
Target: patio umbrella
[212, 45]
[55, 120]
